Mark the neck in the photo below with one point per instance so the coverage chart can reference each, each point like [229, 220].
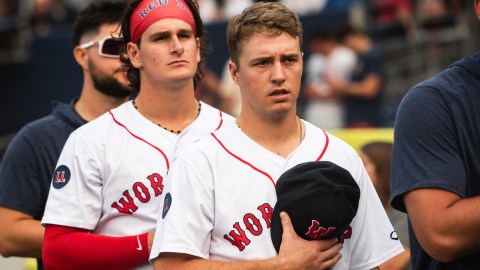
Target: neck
[281, 136]
[93, 103]
[171, 110]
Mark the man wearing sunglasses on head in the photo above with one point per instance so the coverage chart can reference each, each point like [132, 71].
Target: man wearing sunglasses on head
[106, 194]
[31, 157]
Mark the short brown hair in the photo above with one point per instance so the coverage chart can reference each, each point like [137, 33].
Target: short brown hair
[263, 17]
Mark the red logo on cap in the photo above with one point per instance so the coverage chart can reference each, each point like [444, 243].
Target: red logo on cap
[316, 232]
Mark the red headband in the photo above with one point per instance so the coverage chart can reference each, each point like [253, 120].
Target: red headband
[149, 12]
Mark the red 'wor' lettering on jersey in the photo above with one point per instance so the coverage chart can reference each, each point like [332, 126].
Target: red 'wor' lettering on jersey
[238, 237]
[127, 205]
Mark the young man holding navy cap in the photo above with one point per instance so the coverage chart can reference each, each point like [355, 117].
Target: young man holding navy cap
[221, 191]
[105, 195]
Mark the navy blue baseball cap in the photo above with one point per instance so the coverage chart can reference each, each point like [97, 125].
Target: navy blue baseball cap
[321, 199]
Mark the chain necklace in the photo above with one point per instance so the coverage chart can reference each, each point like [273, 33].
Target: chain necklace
[171, 130]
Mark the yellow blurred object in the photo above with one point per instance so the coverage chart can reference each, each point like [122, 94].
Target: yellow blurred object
[357, 137]
[31, 264]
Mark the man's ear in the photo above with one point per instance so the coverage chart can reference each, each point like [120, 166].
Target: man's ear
[81, 57]
[133, 54]
[199, 58]
[234, 70]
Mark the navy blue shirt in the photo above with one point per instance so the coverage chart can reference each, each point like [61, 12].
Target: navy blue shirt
[365, 111]
[30, 160]
[437, 145]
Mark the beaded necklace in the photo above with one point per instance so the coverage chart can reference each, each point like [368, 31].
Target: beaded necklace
[171, 130]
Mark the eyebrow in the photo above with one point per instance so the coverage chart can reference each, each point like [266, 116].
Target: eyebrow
[168, 32]
[291, 55]
[268, 58]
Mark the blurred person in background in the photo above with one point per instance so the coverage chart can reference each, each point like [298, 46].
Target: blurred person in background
[47, 14]
[231, 8]
[362, 92]
[31, 157]
[229, 92]
[209, 87]
[210, 11]
[328, 59]
[433, 16]
[391, 18]
[377, 159]
[305, 7]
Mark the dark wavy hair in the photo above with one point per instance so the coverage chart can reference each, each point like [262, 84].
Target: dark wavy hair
[133, 73]
[94, 16]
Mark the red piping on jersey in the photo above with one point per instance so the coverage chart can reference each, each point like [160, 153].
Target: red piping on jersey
[139, 138]
[243, 161]
[327, 140]
[221, 120]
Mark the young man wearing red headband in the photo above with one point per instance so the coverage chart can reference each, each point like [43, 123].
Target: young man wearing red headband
[106, 191]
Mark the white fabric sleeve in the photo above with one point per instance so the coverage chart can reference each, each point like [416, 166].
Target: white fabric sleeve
[374, 242]
[187, 219]
[78, 203]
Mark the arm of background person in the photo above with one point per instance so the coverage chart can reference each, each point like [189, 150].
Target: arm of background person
[399, 262]
[20, 234]
[295, 253]
[73, 248]
[366, 89]
[447, 226]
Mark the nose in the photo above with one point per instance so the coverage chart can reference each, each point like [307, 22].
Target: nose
[176, 46]
[278, 73]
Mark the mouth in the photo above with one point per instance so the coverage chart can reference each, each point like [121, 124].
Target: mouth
[277, 92]
[177, 62]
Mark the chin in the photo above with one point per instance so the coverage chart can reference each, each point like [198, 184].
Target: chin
[183, 76]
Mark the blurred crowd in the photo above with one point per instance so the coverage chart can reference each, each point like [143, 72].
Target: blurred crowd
[385, 16]
[335, 67]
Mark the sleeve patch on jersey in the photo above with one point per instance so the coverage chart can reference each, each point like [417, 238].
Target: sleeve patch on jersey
[61, 176]
[393, 235]
[166, 204]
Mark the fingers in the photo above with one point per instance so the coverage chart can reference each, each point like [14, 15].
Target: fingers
[328, 264]
[287, 225]
[326, 244]
[331, 255]
[328, 247]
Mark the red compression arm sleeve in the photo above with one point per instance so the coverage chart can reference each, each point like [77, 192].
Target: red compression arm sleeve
[74, 248]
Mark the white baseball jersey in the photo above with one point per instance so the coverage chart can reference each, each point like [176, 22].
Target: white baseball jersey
[220, 195]
[111, 172]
